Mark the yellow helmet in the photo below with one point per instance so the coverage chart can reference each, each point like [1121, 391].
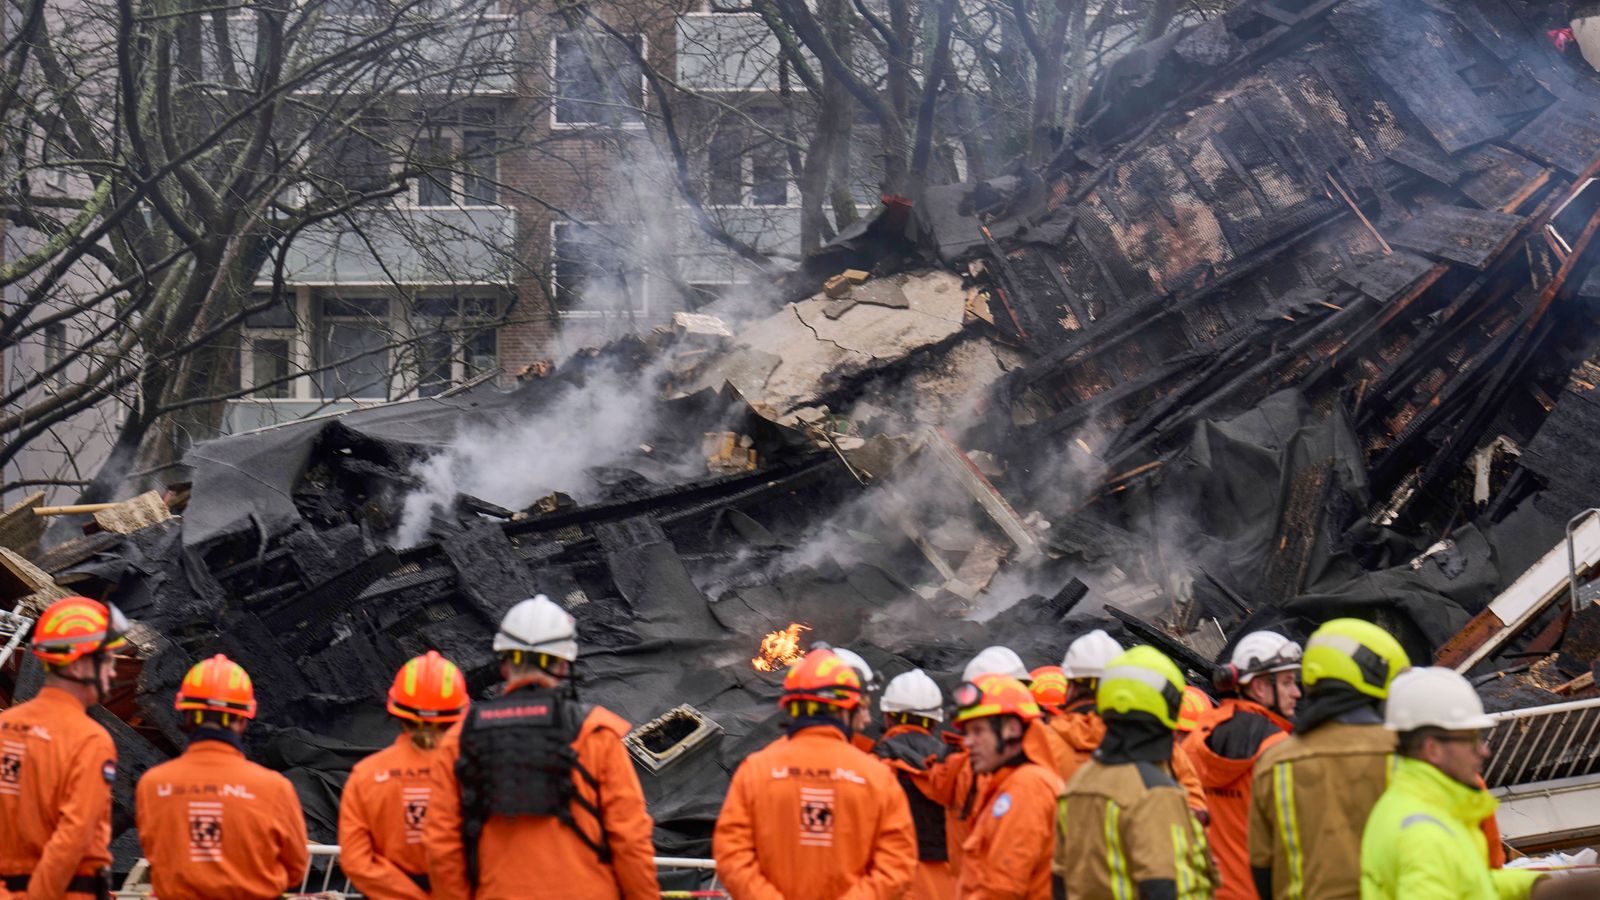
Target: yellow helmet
[1356, 653]
[1142, 680]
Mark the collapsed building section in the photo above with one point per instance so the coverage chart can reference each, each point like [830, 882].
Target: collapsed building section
[1300, 326]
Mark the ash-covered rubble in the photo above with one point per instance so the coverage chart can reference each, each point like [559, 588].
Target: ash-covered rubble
[1300, 326]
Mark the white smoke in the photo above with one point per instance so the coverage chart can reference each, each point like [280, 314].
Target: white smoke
[512, 464]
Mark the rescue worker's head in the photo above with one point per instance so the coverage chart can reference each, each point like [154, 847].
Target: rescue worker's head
[217, 693]
[992, 714]
[1141, 687]
[429, 694]
[1086, 658]
[996, 660]
[537, 644]
[911, 698]
[76, 640]
[861, 716]
[1195, 704]
[1440, 721]
[1265, 668]
[1049, 687]
[1351, 655]
[821, 685]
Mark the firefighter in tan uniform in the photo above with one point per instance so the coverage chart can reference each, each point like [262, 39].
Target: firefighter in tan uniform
[1313, 792]
[1124, 829]
[385, 801]
[57, 764]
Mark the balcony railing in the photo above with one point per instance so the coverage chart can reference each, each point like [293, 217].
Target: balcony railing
[406, 245]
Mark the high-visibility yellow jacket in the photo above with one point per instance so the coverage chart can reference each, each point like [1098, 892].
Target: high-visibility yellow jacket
[1309, 801]
[1425, 841]
[1124, 831]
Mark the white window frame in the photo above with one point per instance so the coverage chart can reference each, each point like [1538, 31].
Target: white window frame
[642, 310]
[456, 327]
[644, 88]
[454, 138]
[707, 12]
[299, 353]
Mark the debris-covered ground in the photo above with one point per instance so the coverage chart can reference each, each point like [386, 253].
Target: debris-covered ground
[1301, 327]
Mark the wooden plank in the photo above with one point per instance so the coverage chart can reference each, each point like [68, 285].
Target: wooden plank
[1564, 135]
[20, 530]
[131, 515]
[999, 509]
[1531, 594]
[1471, 237]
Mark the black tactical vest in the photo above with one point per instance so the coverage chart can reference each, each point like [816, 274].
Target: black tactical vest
[517, 759]
[913, 749]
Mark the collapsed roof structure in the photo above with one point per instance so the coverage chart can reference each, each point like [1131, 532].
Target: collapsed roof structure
[1300, 326]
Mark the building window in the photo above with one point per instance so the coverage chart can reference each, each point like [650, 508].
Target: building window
[359, 161]
[594, 270]
[769, 175]
[744, 169]
[433, 185]
[55, 352]
[725, 168]
[597, 81]
[269, 366]
[455, 342]
[352, 349]
[479, 168]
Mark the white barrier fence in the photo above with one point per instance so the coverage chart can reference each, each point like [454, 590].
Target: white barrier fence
[331, 882]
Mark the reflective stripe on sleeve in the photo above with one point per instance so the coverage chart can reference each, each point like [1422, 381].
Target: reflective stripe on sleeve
[1116, 861]
[1289, 829]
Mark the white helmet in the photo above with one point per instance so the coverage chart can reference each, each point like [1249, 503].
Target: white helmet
[538, 625]
[1261, 652]
[869, 679]
[996, 661]
[913, 692]
[1087, 656]
[1432, 697]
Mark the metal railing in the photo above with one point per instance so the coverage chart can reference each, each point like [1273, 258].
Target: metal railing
[333, 883]
[1543, 743]
[13, 628]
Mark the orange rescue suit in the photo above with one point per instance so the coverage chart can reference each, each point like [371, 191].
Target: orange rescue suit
[381, 816]
[56, 769]
[527, 857]
[216, 826]
[1227, 784]
[951, 783]
[935, 880]
[1007, 856]
[810, 815]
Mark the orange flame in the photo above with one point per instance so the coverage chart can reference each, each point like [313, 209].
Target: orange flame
[780, 649]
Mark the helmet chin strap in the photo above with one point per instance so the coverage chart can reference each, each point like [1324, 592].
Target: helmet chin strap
[94, 683]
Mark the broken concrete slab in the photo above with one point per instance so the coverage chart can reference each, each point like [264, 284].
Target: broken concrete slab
[817, 353]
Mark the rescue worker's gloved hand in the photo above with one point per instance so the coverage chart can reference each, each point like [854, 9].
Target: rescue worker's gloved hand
[1582, 886]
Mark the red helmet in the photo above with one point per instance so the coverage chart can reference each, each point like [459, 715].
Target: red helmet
[822, 677]
[429, 688]
[1195, 704]
[994, 695]
[74, 627]
[1049, 687]
[217, 684]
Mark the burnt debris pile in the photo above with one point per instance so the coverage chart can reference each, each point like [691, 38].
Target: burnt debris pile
[1301, 324]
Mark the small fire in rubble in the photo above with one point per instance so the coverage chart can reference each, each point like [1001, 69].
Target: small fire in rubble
[780, 649]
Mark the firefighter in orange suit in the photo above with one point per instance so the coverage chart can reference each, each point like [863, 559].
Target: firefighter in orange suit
[214, 825]
[810, 815]
[385, 801]
[951, 782]
[1007, 855]
[57, 764]
[534, 795]
[913, 708]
